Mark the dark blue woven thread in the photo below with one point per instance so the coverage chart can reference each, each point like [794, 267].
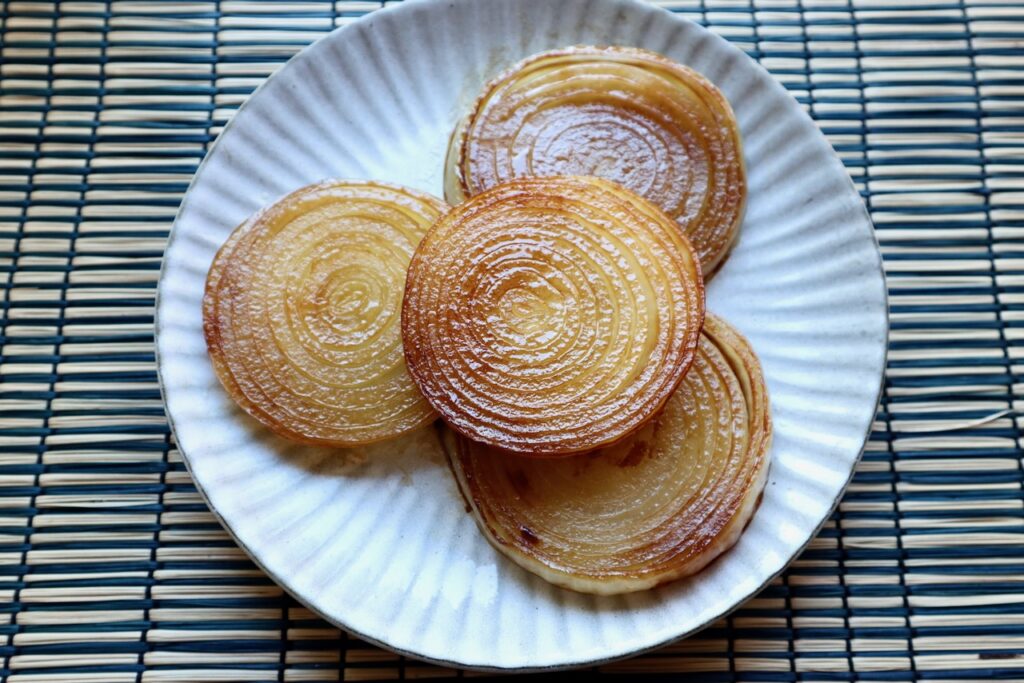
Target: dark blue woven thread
[950, 390]
[26, 546]
[887, 417]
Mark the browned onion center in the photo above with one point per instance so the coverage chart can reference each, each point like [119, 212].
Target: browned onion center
[551, 315]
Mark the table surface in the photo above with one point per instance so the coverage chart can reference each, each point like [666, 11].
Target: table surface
[111, 567]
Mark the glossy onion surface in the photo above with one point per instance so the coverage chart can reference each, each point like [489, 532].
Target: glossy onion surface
[551, 315]
[657, 506]
[624, 114]
[302, 312]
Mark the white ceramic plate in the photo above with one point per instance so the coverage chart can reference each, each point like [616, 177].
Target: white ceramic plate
[386, 550]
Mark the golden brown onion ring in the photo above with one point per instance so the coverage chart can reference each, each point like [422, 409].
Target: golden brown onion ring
[302, 312]
[657, 506]
[624, 114]
[551, 315]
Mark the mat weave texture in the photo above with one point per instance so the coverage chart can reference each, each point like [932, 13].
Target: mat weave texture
[111, 567]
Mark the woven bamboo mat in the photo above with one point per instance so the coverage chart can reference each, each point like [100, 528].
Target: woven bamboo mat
[112, 569]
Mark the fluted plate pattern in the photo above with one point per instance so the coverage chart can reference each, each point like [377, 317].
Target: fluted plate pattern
[386, 549]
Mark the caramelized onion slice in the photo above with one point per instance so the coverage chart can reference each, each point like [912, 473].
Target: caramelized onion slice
[659, 505]
[551, 315]
[624, 114]
[302, 312]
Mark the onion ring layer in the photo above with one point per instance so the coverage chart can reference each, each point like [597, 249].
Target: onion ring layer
[551, 315]
[302, 312]
[624, 114]
[657, 506]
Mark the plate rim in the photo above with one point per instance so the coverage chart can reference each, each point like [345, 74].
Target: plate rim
[570, 662]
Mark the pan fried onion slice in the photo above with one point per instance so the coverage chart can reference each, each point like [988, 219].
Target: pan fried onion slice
[302, 313]
[659, 505]
[624, 114]
[551, 315]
